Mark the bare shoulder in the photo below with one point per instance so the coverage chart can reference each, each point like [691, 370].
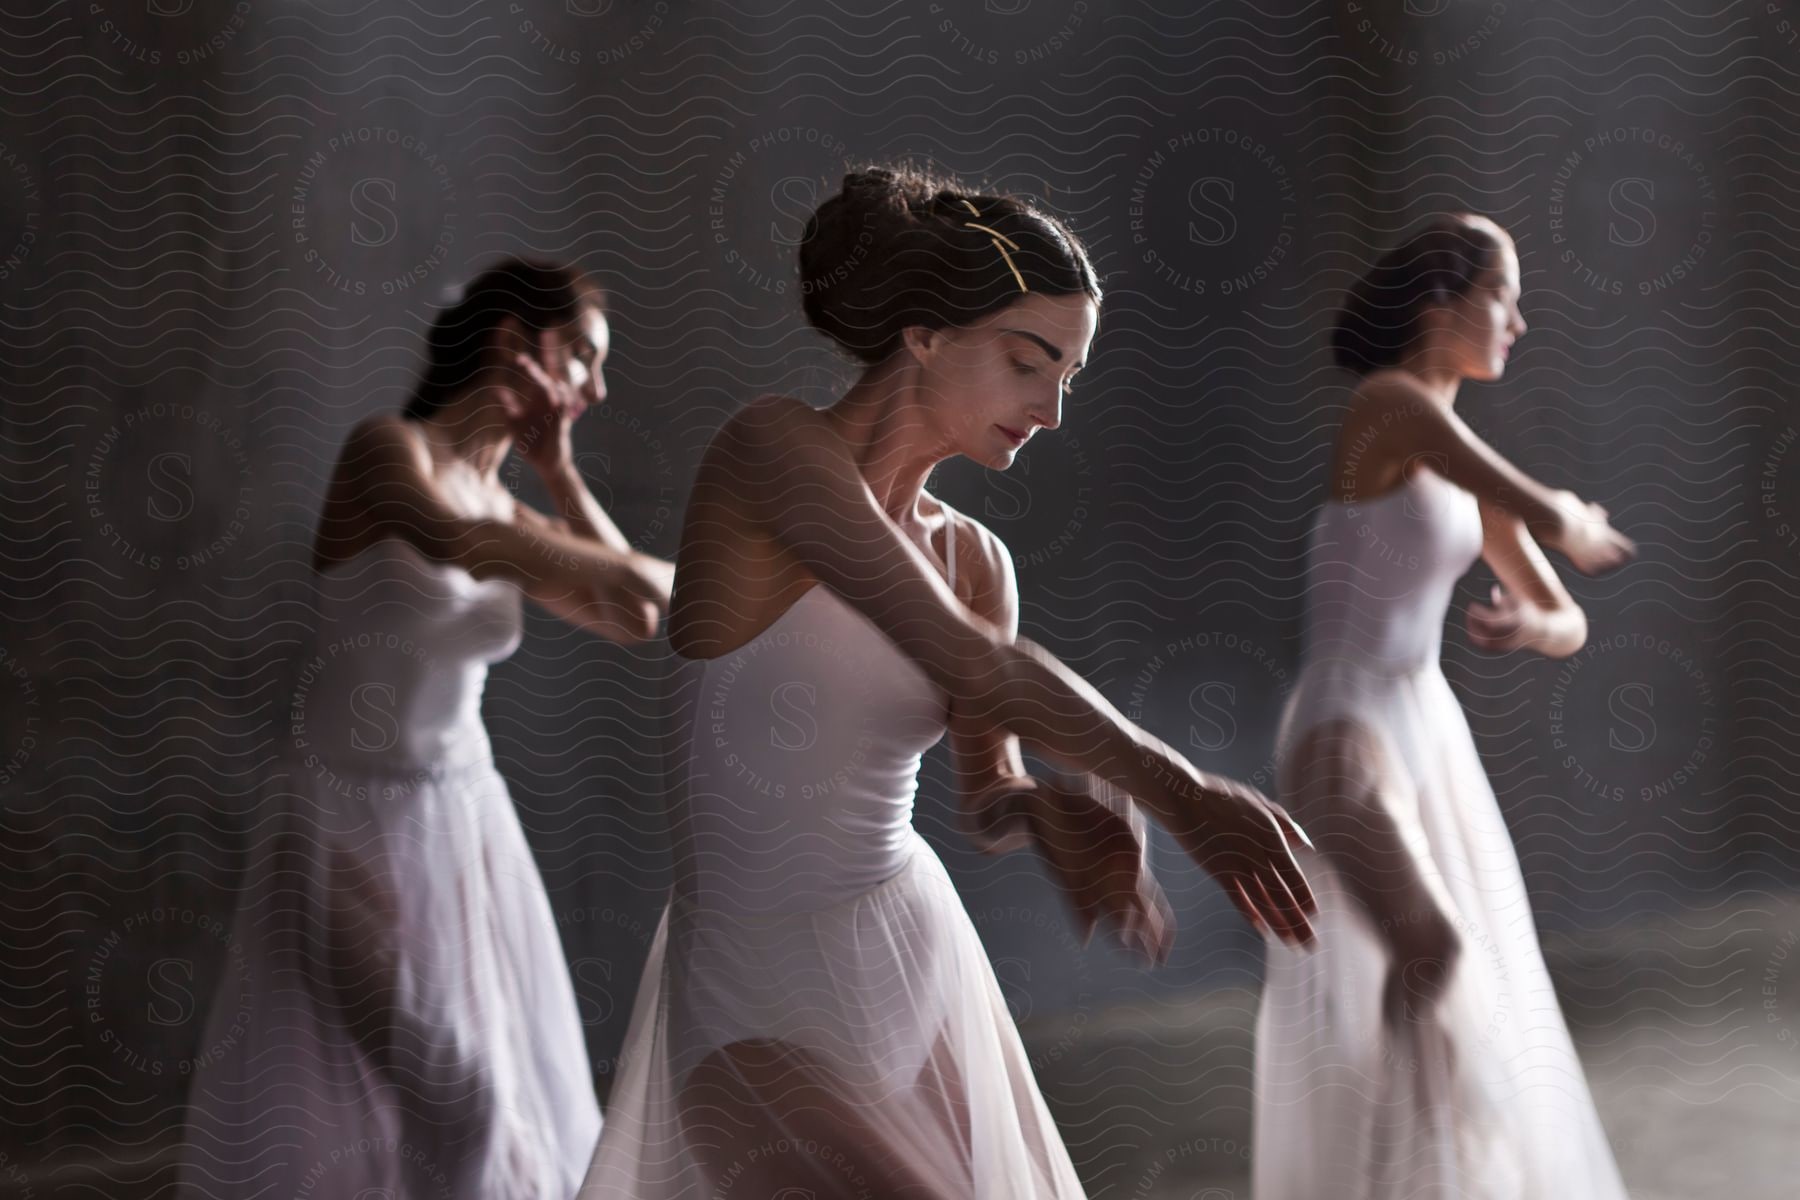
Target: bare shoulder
[1393, 428]
[1389, 395]
[983, 559]
[384, 441]
[383, 462]
[772, 419]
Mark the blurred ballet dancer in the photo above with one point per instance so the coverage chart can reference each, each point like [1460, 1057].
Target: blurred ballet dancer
[1419, 1052]
[410, 1029]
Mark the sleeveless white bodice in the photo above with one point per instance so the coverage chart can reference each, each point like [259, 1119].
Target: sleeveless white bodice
[807, 741]
[401, 657]
[1381, 572]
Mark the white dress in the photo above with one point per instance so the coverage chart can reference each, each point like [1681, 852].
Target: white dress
[807, 914]
[397, 1019]
[1487, 1101]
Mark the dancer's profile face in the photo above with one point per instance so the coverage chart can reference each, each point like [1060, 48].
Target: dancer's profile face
[575, 351]
[1483, 322]
[994, 383]
[578, 353]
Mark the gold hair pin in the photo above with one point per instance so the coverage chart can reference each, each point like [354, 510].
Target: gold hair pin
[1001, 242]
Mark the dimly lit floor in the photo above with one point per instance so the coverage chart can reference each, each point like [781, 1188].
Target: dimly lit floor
[1690, 1030]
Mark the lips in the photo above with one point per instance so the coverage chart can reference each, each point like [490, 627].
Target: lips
[1017, 437]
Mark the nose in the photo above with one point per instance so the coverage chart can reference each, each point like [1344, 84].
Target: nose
[1049, 415]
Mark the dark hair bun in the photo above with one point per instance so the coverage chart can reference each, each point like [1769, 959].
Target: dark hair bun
[538, 295]
[898, 247]
[1380, 319]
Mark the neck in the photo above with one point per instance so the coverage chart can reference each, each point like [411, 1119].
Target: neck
[471, 429]
[1440, 378]
[884, 419]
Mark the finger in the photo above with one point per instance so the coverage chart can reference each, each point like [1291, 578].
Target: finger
[1282, 896]
[1156, 929]
[1167, 913]
[1293, 879]
[1484, 624]
[1240, 896]
[533, 371]
[1132, 932]
[1503, 621]
[1292, 911]
[1143, 922]
[1275, 914]
[1290, 827]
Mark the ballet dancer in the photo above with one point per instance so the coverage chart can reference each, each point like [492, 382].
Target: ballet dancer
[1419, 1051]
[404, 1022]
[817, 1012]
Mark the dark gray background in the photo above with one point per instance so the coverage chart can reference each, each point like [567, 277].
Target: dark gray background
[215, 271]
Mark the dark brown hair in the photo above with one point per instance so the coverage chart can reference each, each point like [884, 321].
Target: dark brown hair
[898, 247]
[1379, 322]
[537, 295]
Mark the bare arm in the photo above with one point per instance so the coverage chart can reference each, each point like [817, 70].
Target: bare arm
[993, 787]
[797, 479]
[386, 473]
[1417, 429]
[582, 514]
[1531, 609]
[651, 580]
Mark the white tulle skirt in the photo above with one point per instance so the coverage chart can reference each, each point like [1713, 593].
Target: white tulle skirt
[396, 1018]
[1487, 1100]
[855, 1051]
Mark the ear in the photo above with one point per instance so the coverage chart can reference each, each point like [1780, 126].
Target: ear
[509, 338]
[921, 342]
[1434, 311]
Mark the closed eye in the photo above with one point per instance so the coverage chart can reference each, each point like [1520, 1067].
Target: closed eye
[1022, 369]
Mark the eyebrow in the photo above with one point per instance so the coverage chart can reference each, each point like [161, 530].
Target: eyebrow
[1055, 354]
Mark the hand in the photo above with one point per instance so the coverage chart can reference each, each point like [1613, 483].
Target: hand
[1586, 538]
[1097, 849]
[655, 578]
[1246, 843]
[1506, 624]
[644, 579]
[999, 820]
[541, 410]
[623, 599]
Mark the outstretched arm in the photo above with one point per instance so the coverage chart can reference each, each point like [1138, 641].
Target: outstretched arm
[796, 478]
[1419, 429]
[385, 472]
[1093, 839]
[1530, 608]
